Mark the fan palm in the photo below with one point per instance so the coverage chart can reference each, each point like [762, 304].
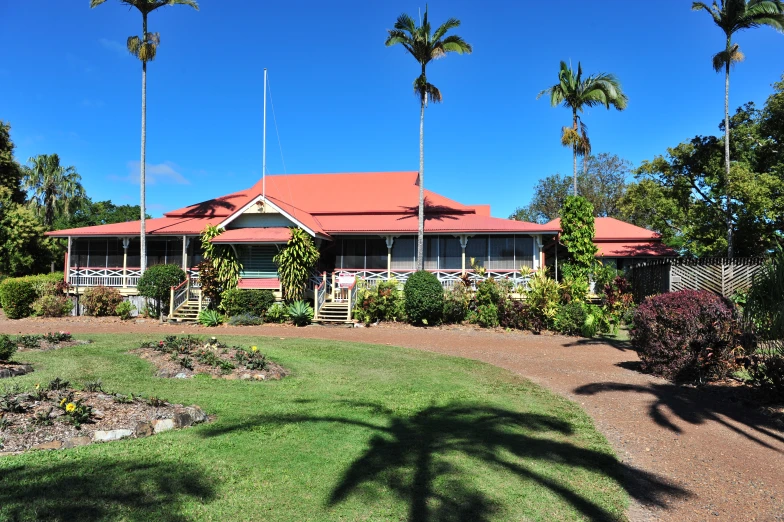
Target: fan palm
[145, 48]
[425, 46]
[576, 93]
[52, 187]
[732, 16]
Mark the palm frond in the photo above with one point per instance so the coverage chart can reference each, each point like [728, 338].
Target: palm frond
[730, 57]
[452, 23]
[405, 23]
[133, 44]
[456, 44]
[96, 3]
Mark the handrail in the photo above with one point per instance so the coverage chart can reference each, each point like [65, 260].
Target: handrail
[179, 296]
[352, 297]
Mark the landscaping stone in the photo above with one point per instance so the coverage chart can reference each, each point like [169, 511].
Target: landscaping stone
[181, 376]
[245, 376]
[15, 370]
[144, 429]
[106, 436]
[76, 441]
[54, 445]
[260, 377]
[197, 414]
[159, 426]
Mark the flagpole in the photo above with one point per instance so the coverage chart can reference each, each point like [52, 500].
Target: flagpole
[264, 145]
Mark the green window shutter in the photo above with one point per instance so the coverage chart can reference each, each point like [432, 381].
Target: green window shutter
[257, 261]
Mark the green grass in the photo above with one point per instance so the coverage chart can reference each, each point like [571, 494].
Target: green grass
[359, 432]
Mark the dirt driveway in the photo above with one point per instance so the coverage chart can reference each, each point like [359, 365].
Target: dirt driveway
[700, 457]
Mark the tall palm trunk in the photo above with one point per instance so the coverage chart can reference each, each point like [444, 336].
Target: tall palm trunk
[574, 149]
[143, 166]
[728, 215]
[421, 227]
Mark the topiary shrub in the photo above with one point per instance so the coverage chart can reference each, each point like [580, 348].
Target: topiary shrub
[156, 283]
[17, 296]
[686, 336]
[246, 301]
[424, 298]
[7, 347]
[53, 306]
[101, 301]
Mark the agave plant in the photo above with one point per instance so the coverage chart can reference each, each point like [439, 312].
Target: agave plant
[301, 313]
[210, 318]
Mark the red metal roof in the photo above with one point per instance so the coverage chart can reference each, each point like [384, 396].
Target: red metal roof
[633, 249]
[254, 235]
[611, 228]
[170, 226]
[408, 223]
[616, 238]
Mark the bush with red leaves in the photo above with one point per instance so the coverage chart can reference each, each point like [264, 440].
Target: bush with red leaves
[686, 336]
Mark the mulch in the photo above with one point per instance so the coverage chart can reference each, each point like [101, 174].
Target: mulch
[690, 454]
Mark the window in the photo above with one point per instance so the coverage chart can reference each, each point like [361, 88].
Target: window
[134, 256]
[404, 253]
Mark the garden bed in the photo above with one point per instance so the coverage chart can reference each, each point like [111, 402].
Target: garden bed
[56, 416]
[48, 341]
[185, 357]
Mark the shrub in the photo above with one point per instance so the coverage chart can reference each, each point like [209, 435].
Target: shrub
[301, 313]
[124, 310]
[570, 318]
[53, 306]
[7, 347]
[210, 318]
[456, 304]
[384, 302]
[156, 283]
[488, 292]
[685, 336]
[254, 302]
[424, 298]
[486, 315]
[294, 264]
[577, 225]
[277, 313]
[245, 319]
[17, 296]
[101, 301]
[543, 297]
[518, 315]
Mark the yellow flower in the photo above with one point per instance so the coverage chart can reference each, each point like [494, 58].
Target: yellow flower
[63, 402]
[38, 386]
[70, 407]
[254, 349]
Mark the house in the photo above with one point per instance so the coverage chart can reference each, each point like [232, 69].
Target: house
[364, 224]
[618, 243]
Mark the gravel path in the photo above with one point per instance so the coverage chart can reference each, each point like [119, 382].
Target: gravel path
[710, 458]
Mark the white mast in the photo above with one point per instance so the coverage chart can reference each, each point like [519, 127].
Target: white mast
[264, 146]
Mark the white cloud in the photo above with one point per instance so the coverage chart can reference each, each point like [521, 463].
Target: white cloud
[167, 173]
[115, 47]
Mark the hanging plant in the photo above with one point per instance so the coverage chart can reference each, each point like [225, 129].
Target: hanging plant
[294, 264]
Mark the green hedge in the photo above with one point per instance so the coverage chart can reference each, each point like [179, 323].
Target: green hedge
[17, 294]
[156, 282]
[247, 301]
[424, 297]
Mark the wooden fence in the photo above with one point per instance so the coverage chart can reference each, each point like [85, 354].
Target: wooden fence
[719, 275]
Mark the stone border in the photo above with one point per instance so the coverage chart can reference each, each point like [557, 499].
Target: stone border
[16, 371]
[183, 417]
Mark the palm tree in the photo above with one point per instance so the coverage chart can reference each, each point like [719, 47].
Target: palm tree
[145, 48]
[425, 47]
[52, 187]
[733, 16]
[576, 93]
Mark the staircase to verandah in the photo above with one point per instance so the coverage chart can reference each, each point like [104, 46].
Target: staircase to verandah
[333, 301]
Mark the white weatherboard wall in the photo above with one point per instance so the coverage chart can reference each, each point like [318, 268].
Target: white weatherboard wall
[260, 221]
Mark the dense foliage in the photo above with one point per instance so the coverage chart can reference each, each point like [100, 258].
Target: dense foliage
[424, 298]
[295, 262]
[17, 295]
[577, 231]
[156, 282]
[53, 305]
[101, 301]
[686, 336]
[247, 301]
[383, 302]
[7, 347]
[300, 313]
[220, 270]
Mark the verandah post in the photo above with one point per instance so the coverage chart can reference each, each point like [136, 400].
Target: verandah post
[463, 245]
[126, 241]
[185, 242]
[390, 240]
[68, 262]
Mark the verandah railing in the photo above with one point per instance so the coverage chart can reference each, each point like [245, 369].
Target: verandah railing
[448, 278]
[115, 276]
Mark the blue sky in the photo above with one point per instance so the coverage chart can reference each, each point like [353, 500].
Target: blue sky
[343, 101]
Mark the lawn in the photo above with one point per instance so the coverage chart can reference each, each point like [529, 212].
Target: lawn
[359, 432]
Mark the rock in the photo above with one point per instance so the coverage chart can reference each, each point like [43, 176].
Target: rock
[77, 441]
[159, 426]
[197, 414]
[181, 376]
[230, 377]
[359, 325]
[164, 373]
[106, 436]
[98, 414]
[54, 445]
[144, 429]
[4, 373]
[260, 377]
[245, 376]
[275, 376]
[182, 419]
[56, 413]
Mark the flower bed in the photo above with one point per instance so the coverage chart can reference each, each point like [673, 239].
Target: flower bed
[184, 357]
[48, 341]
[57, 416]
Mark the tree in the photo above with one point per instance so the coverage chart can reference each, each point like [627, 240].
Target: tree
[53, 189]
[91, 213]
[23, 247]
[294, 264]
[602, 182]
[732, 16]
[577, 231]
[425, 46]
[10, 172]
[577, 93]
[221, 268]
[145, 49]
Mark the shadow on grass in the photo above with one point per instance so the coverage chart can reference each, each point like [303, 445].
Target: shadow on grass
[99, 489]
[697, 406]
[408, 455]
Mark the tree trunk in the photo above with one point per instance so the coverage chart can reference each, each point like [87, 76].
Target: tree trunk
[143, 166]
[728, 216]
[574, 150]
[421, 228]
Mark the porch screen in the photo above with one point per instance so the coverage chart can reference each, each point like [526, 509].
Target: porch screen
[404, 253]
[501, 253]
[80, 249]
[477, 249]
[450, 255]
[431, 253]
[524, 252]
[114, 253]
[156, 252]
[257, 261]
[352, 253]
[375, 254]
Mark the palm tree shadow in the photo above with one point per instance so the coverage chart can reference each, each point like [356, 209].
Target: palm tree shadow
[92, 489]
[409, 456]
